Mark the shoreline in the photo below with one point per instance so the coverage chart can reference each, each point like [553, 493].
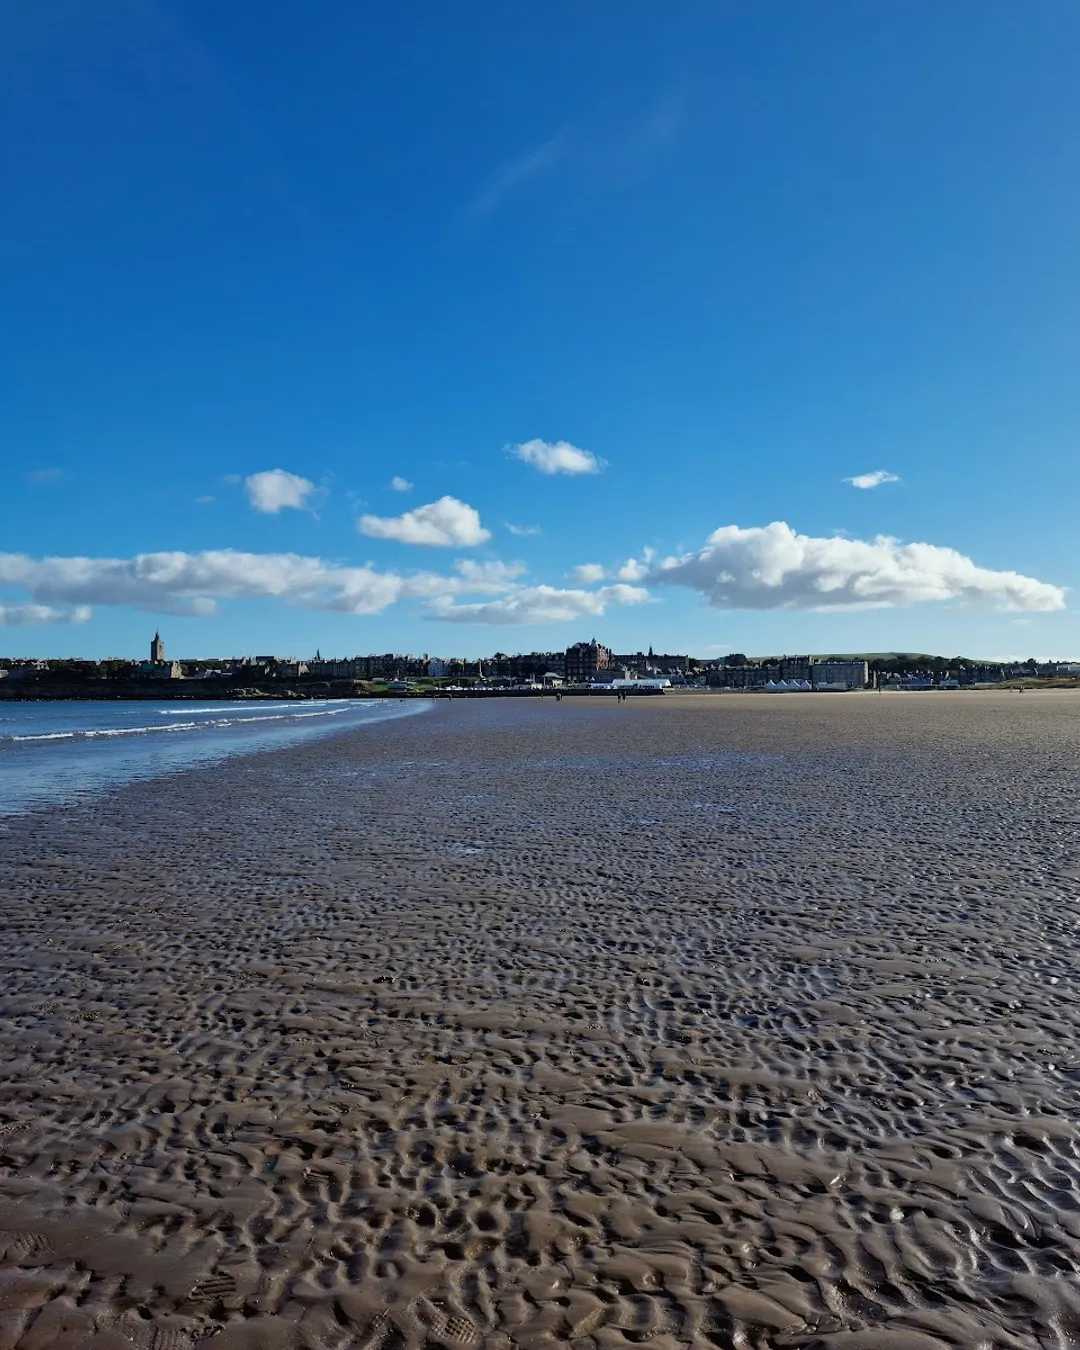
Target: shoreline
[168, 694]
[52, 753]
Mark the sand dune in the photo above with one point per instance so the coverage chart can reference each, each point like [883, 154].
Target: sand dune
[727, 1022]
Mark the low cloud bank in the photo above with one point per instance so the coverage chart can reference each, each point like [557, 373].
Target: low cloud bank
[768, 567]
[27, 616]
[193, 583]
[538, 604]
[771, 567]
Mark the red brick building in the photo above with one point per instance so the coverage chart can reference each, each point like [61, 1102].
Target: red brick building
[584, 659]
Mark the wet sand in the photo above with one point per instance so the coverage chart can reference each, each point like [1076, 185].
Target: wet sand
[702, 1021]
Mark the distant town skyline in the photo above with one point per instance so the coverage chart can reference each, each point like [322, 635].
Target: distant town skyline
[723, 328]
[584, 667]
[159, 654]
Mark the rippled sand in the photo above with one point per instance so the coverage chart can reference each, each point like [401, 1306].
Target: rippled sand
[719, 1022]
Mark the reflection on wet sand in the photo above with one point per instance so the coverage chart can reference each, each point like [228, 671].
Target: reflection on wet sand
[695, 1022]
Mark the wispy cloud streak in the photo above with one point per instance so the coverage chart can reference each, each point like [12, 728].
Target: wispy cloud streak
[509, 177]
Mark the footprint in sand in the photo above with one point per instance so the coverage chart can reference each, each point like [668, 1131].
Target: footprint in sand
[148, 1336]
[19, 1245]
[426, 1322]
[217, 1286]
[442, 1325]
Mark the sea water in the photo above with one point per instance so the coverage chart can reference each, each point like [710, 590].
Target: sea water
[70, 749]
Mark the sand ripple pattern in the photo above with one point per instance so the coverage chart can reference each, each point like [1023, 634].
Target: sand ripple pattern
[695, 1023]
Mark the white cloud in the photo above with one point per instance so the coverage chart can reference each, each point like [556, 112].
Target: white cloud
[538, 604]
[637, 569]
[446, 523]
[587, 574]
[873, 480]
[557, 457]
[524, 531]
[193, 583]
[272, 491]
[772, 567]
[23, 616]
[633, 569]
[45, 477]
[399, 484]
[203, 501]
[488, 576]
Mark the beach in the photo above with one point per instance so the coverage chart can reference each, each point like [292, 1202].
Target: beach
[732, 1021]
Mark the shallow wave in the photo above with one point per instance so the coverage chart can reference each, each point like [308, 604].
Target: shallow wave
[98, 732]
[261, 709]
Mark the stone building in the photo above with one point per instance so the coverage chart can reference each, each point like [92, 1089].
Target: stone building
[840, 674]
[584, 659]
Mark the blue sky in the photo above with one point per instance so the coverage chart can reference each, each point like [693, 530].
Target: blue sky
[649, 284]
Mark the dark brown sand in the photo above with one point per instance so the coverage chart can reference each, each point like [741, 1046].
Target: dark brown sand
[712, 1022]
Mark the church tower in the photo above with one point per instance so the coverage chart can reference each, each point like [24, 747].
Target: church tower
[157, 650]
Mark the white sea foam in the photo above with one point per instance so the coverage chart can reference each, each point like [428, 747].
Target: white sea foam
[260, 709]
[251, 719]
